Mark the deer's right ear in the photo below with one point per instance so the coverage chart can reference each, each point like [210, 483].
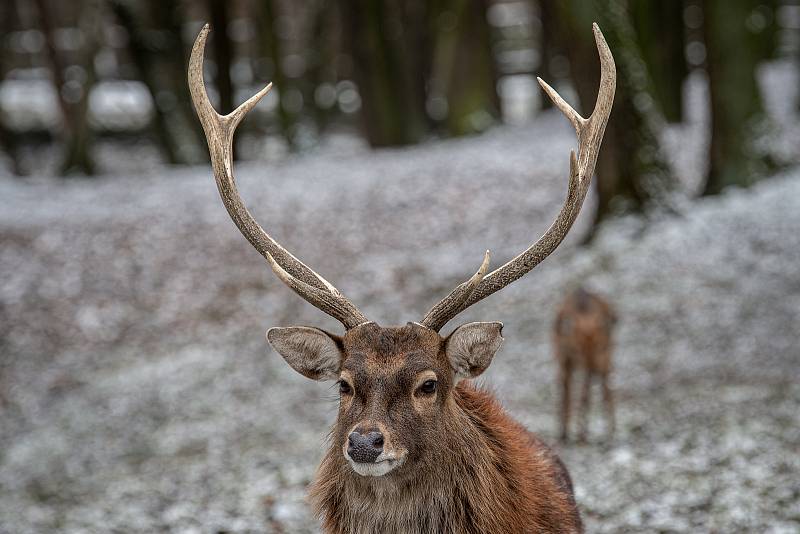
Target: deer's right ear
[311, 352]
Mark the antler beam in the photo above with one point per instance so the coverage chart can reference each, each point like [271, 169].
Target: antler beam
[219, 130]
[439, 314]
[590, 136]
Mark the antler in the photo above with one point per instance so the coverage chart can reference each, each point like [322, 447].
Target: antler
[219, 130]
[440, 314]
[590, 136]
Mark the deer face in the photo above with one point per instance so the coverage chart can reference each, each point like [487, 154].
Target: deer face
[395, 384]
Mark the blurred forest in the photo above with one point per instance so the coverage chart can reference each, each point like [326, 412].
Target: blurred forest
[79, 73]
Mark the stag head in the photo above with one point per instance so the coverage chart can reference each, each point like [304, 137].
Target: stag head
[395, 383]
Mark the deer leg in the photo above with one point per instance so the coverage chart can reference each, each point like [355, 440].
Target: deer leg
[565, 380]
[585, 406]
[608, 400]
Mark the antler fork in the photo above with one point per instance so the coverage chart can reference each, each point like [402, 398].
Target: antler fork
[590, 135]
[219, 130]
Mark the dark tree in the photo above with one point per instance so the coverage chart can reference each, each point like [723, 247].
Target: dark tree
[73, 93]
[272, 47]
[383, 39]
[464, 70]
[321, 56]
[734, 49]
[661, 36]
[222, 53]
[549, 42]
[8, 140]
[159, 54]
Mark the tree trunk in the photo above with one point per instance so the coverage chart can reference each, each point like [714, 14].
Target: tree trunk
[661, 35]
[222, 54]
[737, 113]
[464, 70]
[73, 95]
[321, 58]
[8, 139]
[272, 47]
[380, 39]
[158, 53]
[549, 43]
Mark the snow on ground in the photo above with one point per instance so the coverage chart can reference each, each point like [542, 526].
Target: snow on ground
[137, 392]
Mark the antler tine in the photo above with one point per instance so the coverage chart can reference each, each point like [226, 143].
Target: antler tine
[437, 316]
[573, 116]
[590, 136]
[219, 130]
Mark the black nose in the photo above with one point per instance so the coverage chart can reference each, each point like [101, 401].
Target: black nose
[364, 448]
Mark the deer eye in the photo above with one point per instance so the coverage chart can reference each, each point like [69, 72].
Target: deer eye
[428, 387]
[344, 388]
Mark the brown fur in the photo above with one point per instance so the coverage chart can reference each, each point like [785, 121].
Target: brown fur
[582, 341]
[470, 467]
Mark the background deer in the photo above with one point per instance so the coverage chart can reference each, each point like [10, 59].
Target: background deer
[582, 341]
[416, 447]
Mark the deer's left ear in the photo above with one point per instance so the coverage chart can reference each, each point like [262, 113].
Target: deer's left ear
[471, 347]
[311, 352]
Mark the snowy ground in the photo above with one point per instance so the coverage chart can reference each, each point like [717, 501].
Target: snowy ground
[137, 393]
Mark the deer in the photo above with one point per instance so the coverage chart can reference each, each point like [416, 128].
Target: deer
[416, 446]
[582, 341]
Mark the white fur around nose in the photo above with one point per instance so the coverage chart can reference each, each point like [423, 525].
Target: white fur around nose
[310, 351]
[383, 464]
[471, 347]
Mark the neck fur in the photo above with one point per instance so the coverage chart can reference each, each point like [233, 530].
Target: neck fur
[444, 492]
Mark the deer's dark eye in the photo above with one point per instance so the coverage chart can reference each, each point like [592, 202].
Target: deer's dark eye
[428, 387]
[344, 388]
